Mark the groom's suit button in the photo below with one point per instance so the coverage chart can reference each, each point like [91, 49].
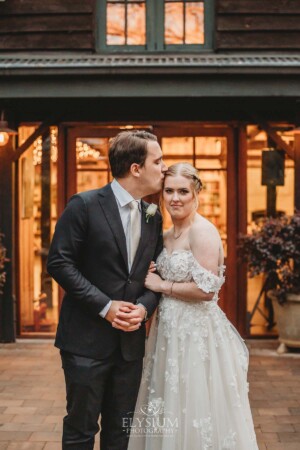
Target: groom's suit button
[129, 281]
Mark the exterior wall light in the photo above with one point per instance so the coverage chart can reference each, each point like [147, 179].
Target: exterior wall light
[5, 132]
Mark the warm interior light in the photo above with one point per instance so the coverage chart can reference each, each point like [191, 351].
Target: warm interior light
[4, 138]
[5, 132]
[126, 127]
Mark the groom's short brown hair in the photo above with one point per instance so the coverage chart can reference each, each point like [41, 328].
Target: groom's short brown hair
[127, 148]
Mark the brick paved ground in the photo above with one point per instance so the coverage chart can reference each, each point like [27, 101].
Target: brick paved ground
[32, 396]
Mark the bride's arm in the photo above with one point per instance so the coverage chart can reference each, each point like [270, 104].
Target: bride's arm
[205, 245]
[183, 291]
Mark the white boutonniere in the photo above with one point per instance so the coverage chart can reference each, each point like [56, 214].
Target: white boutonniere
[150, 211]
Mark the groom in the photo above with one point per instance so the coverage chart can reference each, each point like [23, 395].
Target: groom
[101, 250]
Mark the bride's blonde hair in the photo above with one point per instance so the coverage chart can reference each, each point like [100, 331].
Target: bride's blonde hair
[188, 171]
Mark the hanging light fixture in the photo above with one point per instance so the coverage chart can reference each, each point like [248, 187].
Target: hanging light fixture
[5, 132]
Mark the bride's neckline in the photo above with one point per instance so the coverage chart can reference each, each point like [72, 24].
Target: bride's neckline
[181, 250]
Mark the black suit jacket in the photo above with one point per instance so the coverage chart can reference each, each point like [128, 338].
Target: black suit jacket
[88, 258]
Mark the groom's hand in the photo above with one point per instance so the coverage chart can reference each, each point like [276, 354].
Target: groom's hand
[129, 319]
[115, 308]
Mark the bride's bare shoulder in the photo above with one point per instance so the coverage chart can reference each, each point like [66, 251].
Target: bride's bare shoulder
[204, 233]
[205, 243]
[203, 227]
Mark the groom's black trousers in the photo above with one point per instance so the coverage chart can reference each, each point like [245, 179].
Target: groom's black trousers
[108, 387]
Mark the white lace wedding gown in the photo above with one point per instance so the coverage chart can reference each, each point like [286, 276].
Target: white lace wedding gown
[194, 390]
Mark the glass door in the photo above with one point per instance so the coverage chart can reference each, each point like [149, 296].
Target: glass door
[261, 320]
[206, 148]
[37, 212]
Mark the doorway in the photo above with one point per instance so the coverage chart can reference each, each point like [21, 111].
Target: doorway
[210, 148]
[76, 159]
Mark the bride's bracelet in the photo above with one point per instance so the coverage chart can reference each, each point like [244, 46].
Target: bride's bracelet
[168, 290]
[171, 288]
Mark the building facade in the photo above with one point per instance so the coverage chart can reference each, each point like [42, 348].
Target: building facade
[217, 81]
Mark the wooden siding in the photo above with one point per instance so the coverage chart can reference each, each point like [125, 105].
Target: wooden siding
[51, 25]
[69, 25]
[258, 25]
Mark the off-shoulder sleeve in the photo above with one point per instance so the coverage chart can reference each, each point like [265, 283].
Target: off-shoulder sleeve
[206, 280]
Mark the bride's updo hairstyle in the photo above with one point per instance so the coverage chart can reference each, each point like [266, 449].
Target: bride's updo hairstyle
[188, 171]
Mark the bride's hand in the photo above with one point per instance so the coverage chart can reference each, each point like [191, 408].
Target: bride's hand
[152, 267]
[153, 282]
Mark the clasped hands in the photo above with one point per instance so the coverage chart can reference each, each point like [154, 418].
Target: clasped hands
[125, 316]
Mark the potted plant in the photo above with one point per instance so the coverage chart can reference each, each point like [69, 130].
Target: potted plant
[3, 260]
[273, 249]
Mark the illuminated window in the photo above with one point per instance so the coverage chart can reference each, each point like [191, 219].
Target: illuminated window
[125, 22]
[184, 22]
[154, 25]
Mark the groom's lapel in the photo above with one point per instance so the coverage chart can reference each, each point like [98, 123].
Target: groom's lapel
[146, 229]
[111, 211]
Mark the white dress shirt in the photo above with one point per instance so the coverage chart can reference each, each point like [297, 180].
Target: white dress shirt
[123, 199]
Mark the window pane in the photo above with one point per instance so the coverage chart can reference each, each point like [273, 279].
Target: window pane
[211, 152]
[92, 162]
[136, 22]
[174, 23]
[115, 34]
[194, 23]
[177, 146]
[91, 153]
[91, 180]
[213, 199]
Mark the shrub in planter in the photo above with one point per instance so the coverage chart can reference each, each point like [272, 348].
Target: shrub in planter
[273, 248]
[3, 260]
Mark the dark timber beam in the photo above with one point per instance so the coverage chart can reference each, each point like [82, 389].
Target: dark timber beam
[7, 299]
[277, 139]
[297, 171]
[42, 129]
[253, 133]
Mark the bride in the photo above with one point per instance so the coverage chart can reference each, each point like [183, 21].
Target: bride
[194, 390]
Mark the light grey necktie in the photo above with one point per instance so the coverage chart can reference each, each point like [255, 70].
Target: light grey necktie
[135, 229]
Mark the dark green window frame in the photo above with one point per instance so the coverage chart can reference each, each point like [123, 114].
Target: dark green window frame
[154, 31]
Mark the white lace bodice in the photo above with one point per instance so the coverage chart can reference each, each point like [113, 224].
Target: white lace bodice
[181, 266]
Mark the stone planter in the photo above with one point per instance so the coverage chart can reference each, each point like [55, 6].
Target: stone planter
[287, 317]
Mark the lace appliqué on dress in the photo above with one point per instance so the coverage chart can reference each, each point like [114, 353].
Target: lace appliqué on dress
[172, 374]
[206, 431]
[229, 442]
[206, 280]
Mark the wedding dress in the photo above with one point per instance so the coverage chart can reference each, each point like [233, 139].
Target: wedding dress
[194, 390]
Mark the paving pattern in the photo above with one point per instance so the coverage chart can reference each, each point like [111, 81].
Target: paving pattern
[32, 397]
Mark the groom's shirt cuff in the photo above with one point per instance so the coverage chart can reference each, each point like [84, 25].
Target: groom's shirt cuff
[105, 310]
